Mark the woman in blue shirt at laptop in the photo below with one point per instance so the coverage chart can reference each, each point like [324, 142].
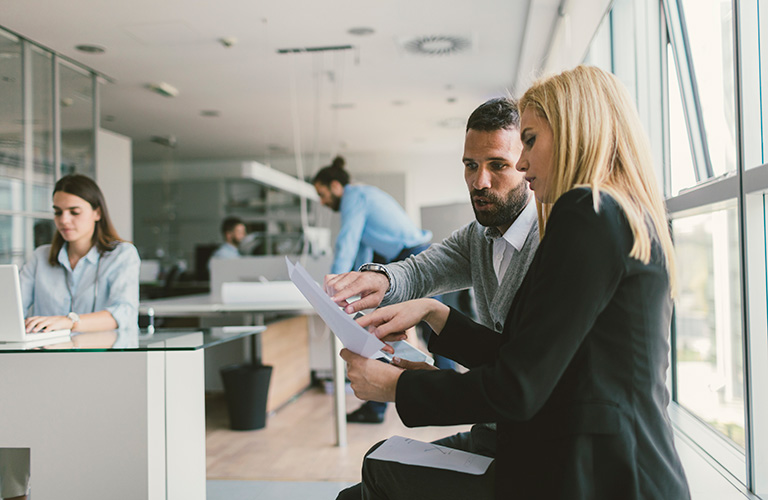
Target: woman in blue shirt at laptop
[87, 279]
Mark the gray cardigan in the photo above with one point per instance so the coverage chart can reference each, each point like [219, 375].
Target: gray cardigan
[463, 260]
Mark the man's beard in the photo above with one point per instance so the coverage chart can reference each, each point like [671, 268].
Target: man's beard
[335, 203]
[506, 210]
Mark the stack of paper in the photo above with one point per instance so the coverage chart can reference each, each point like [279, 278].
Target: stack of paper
[353, 336]
[412, 452]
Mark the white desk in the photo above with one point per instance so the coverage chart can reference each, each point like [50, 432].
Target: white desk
[203, 304]
[206, 304]
[111, 414]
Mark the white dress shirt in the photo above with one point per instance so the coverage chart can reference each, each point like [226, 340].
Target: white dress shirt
[513, 240]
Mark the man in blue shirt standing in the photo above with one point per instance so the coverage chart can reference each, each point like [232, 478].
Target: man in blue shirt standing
[374, 228]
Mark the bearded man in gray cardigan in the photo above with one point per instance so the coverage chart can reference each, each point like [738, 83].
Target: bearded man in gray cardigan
[490, 254]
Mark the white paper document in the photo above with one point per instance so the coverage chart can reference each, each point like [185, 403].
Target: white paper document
[353, 336]
[412, 452]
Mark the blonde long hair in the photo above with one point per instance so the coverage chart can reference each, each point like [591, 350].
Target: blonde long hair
[598, 142]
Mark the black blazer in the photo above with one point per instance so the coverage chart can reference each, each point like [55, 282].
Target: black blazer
[576, 381]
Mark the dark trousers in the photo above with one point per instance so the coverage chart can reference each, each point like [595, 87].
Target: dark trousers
[389, 480]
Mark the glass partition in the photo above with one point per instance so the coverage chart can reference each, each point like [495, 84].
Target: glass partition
[11, 111]
[30, 139]
[43, 166]
[77, 127]
[12, 238]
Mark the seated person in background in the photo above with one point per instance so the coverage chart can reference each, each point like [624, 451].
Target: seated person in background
[576, 380]
[233, 231]
[371, 222]
[87, 279]
[490, 254]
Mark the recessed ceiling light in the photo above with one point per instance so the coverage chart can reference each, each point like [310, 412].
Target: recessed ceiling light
[228, 41]
[451, 100]
[210, 113]
[361, 31]
[398, 103]
[164, 89]
[343, 105]
[91, 49]
[168, 141]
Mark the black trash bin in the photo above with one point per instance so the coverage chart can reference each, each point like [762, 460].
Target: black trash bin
[246, 388]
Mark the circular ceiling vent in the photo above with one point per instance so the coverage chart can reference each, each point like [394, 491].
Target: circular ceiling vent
[437, 45]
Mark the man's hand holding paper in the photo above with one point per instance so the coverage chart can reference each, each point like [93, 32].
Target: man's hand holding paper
[353, 335]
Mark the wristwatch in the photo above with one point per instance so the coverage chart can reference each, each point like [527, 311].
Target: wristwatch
[377, 268]
[74, 317]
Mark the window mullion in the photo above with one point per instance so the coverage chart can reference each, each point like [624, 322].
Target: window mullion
[752, 263]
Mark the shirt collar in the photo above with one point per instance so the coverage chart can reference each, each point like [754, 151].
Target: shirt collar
[518, 231]
[92, 256]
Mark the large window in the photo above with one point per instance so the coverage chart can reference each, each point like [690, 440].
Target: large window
[708, 25]
[710, 138]
[716, 116]
[708, 331]
[683, 175]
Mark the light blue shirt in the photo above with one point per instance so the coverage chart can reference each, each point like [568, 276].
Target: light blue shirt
[48, 290]
[226, 251]
[372, 221]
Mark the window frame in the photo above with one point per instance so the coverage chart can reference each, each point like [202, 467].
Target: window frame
[748, 185]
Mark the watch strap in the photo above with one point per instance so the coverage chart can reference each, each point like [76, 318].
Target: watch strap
[377, 268]
[74, 317]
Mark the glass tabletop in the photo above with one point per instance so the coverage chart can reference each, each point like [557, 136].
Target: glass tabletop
[136, 339]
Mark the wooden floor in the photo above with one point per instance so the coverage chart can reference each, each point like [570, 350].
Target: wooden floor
[297, 443]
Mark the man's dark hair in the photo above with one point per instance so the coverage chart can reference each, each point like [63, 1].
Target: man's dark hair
[333, 172]
[495, 114]
[229, 224]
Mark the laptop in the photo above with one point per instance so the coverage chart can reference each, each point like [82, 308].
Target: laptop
[11, 313]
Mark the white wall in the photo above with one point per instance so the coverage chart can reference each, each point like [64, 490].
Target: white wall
[115, 178]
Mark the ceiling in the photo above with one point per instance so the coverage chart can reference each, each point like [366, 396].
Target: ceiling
[375, 96]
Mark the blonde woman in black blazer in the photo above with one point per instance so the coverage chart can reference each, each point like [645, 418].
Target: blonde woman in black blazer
[576, 381]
